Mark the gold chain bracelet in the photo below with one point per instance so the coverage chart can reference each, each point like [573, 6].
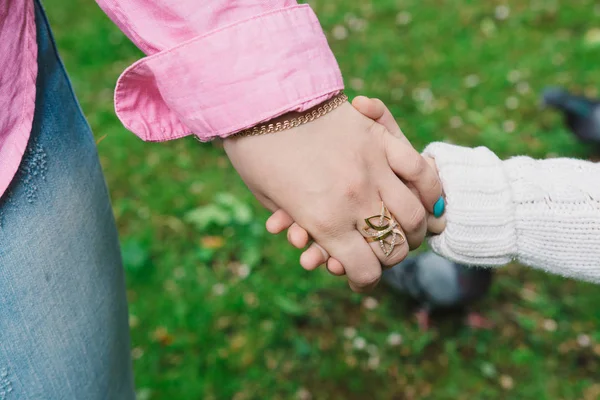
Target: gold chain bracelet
[326, 108]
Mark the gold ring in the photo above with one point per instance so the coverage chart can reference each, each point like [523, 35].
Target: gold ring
[383, 228]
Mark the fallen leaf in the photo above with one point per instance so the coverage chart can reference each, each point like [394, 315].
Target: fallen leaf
[592, 37]
[101, 138]
[506, 382]
[212, 242]
[162, 336]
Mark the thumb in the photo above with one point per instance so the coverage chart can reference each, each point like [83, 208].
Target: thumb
[435, 225]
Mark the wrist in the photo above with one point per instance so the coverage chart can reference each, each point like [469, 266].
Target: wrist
[294, 119]
[480, 210]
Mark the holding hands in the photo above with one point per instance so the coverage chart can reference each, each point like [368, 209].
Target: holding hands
[351, 183]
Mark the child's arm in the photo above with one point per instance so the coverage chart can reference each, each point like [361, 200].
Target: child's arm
[543, 213]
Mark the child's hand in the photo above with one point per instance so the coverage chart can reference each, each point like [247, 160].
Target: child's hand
[315, 255]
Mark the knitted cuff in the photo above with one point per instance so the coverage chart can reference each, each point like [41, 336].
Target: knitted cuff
[480, 212]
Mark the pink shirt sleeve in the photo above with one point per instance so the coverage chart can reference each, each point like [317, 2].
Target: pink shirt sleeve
[216, 67]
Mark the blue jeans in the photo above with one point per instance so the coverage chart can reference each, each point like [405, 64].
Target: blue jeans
[64, 330]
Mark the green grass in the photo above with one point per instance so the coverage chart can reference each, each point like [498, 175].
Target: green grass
[220, 310]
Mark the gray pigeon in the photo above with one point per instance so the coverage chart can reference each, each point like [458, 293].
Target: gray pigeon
[581, 114]
[438, 283]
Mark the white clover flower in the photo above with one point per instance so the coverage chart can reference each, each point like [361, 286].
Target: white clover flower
[349, 332]
[403, 18]
[502, 12]
[394, 339]
[359, 343]
[339, 32]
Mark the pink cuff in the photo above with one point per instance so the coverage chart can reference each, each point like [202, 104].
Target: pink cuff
[230, 79]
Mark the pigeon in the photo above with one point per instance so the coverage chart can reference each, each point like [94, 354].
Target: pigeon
[581, 114]
[438, 283]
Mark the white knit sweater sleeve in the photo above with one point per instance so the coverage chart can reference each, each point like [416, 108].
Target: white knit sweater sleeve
[542, 213]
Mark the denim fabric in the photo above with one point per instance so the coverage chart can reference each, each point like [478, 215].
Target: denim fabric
[63, 313]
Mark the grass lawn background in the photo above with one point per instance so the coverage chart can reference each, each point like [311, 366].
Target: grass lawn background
[221, 310]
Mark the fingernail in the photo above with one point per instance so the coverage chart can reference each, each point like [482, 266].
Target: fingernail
[439, 207]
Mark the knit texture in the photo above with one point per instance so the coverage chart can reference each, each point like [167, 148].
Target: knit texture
[543, 213]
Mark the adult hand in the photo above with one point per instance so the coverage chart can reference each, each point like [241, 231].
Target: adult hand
[376, 110]
[331, 174]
